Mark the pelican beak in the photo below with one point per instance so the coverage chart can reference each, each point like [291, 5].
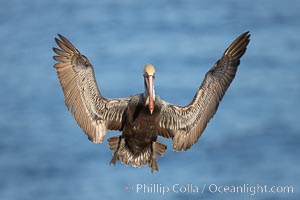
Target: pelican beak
[149, 75]
[150, 87]
[150, 80]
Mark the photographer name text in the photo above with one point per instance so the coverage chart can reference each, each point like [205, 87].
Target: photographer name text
[163, 189]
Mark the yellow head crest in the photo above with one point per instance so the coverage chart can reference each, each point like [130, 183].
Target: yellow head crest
[149, 70]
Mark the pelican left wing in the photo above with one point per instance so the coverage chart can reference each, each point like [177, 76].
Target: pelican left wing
[93, 113]
[185, 124]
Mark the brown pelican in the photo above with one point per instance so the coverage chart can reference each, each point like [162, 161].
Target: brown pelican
[142, 117]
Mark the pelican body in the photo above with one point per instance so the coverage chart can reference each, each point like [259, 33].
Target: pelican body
[142, 117]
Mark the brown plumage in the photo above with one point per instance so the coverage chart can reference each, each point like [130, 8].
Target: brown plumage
[142, 117]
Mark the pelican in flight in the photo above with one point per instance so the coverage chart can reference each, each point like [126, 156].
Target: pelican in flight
[142, 117]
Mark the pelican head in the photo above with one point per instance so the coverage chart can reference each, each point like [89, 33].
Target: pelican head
[149, 94]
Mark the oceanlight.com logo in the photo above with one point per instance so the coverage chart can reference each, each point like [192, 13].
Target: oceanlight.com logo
[163, 189]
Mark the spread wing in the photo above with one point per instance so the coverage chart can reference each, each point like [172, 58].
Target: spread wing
[93, 113]
[185, 124]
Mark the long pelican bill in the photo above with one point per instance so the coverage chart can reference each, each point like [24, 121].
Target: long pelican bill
[149, 75]
[150, 91]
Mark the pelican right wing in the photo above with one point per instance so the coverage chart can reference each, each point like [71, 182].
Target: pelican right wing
[93, 113]
[185, 124]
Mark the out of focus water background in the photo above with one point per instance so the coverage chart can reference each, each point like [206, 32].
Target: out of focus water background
[253, 139]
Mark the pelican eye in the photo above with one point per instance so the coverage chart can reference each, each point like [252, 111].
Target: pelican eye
[146, 75]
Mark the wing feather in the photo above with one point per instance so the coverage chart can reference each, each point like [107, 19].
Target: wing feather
[93, 113]
[185, 124]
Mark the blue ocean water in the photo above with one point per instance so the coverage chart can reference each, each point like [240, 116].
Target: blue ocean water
[253, 141]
